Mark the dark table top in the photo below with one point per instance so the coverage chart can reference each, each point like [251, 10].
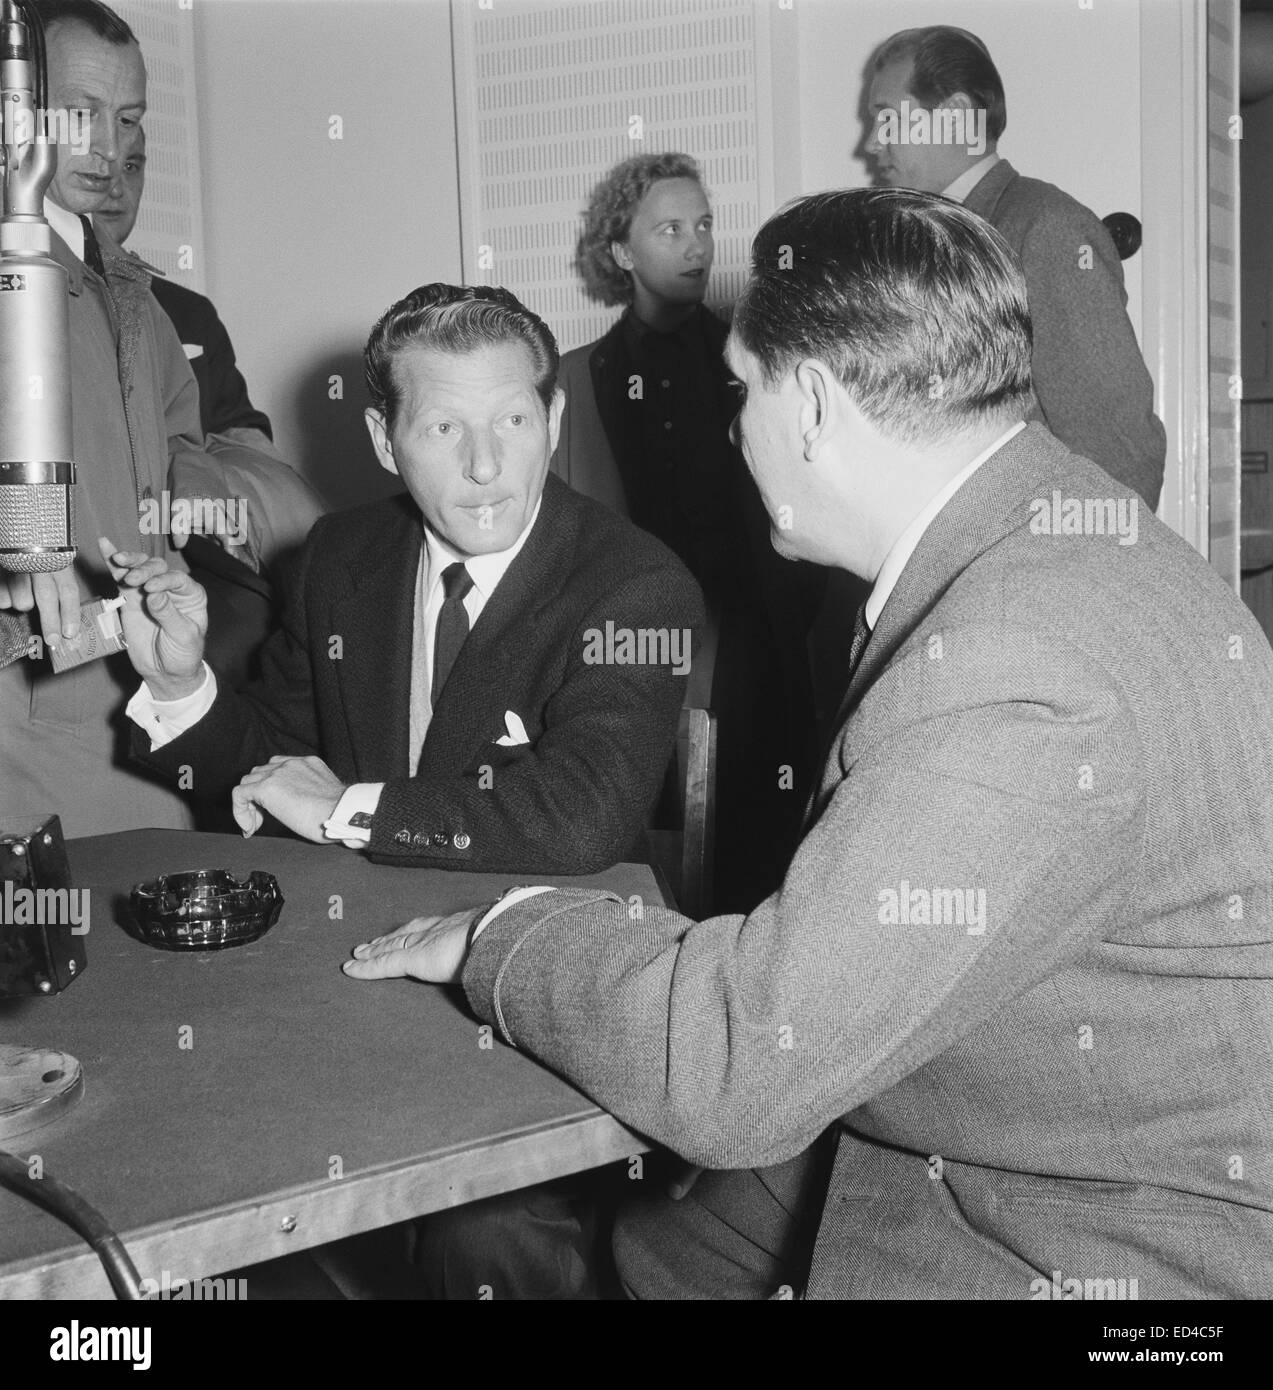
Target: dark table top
[304, 1105]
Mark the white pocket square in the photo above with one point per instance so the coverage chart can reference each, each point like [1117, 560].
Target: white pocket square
[192, 350]
[516, 734]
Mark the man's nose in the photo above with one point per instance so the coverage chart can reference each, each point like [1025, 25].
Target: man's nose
[700, 247]
[104, 141]
[484, 461]
[873, 146]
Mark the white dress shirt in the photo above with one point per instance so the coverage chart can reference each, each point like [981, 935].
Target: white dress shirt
[164, 720]
[970, 178]
[67, 225]
[904, 546]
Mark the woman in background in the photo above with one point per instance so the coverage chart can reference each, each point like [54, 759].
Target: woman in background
[646, 431]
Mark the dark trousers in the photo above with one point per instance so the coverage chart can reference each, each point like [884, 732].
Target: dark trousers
[744, 1234]
[741, 1234]
[536, 1243]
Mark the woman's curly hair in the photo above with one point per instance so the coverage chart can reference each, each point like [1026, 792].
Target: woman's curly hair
[608, 217]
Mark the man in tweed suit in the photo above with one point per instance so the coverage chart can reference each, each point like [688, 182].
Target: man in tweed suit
[1022, 960]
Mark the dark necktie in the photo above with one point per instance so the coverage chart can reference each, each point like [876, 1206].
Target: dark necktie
[92, 251]
[861, 635]
[453, 625]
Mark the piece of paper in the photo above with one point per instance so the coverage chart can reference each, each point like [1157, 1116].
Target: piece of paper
[100, 635]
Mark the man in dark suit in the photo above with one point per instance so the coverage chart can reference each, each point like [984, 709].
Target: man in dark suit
[224, 404]
[539, 740]
[1022, 961]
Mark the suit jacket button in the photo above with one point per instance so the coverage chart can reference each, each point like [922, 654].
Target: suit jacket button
[439, 837]
[403, 837]
[419, 838]
[461, 841]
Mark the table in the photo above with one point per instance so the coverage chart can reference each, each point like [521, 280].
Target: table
[247, 1103]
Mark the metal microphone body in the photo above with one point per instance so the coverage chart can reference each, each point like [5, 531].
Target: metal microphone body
[37, 472]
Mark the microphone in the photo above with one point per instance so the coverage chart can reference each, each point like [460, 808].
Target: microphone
[37, 471]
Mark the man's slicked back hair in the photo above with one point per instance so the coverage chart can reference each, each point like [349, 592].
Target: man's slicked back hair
[456, 319]
[608, 218]
[101, 19]
[916, 304]
[946, 60]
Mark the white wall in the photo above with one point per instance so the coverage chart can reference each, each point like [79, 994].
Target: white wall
[310, 239]
[1071, 77]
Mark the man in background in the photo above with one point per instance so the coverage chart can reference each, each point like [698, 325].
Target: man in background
[135, 407]
[223, 394]
[937, 108]
[239, 580]
[1091, 386]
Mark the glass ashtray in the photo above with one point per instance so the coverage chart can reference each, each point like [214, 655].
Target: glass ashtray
[204, 909]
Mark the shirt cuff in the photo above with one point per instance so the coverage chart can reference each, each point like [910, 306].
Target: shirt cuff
[510, 899]
[361, 796]
[165, 720]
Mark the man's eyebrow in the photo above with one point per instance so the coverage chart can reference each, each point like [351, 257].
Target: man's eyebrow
[78, 97]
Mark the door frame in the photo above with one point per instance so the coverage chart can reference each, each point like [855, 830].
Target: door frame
[1174, 205]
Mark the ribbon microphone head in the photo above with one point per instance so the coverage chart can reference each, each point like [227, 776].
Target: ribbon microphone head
[37, 474]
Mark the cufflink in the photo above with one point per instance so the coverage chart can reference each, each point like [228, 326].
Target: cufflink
[360, 820]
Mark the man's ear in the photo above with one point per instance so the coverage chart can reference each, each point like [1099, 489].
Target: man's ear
[380, 440]
[815, 383]
[983, 145]
[622, 256]
[557, 405]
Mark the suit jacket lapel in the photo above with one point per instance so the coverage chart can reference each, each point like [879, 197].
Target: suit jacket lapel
[376, 619]
[985, 195]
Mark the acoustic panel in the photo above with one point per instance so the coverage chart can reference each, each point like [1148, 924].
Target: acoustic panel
[169, 230]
